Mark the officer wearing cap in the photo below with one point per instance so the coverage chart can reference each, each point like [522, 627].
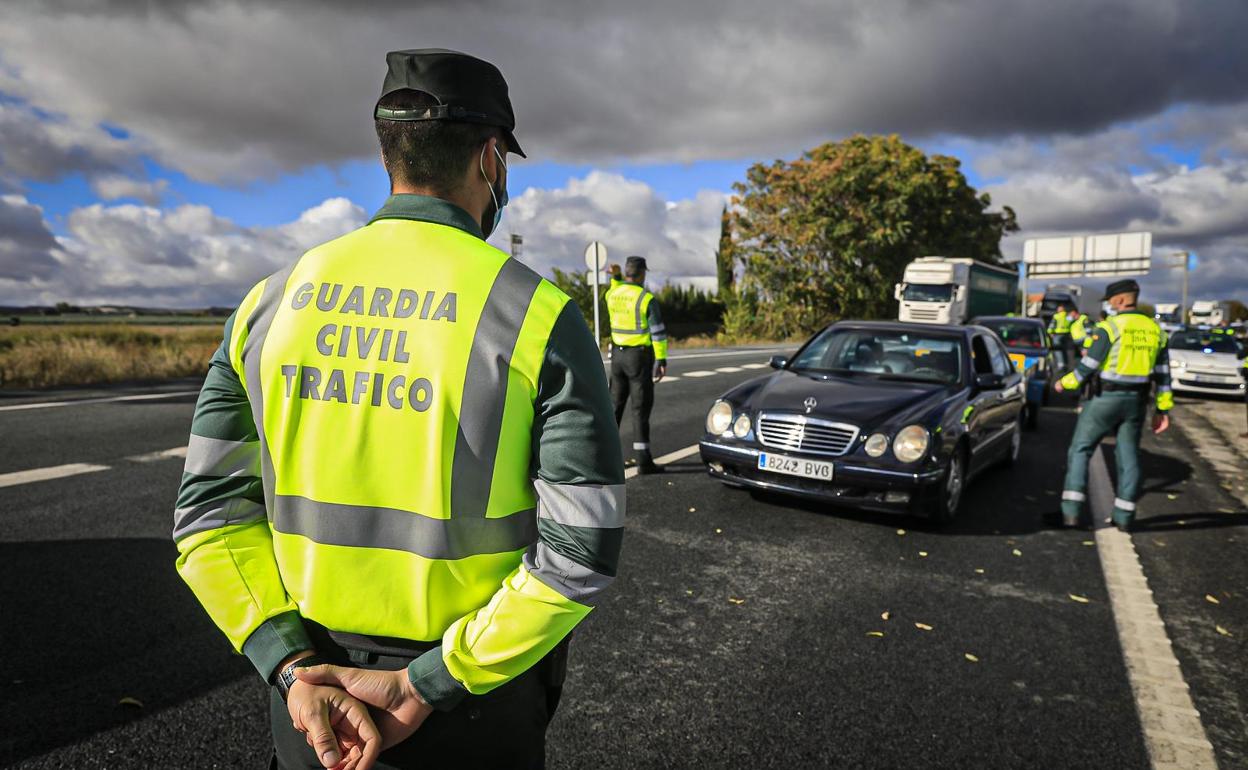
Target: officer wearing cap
[404, 486]
[638, 352]
[1128, 351]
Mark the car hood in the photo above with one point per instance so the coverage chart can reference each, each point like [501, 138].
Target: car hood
[1205, 360]
[862, 400]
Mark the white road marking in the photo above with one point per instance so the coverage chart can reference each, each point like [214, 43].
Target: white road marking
[729, 369]
[751, 352]
[670, 377]
[164, 454]
[753, 366]
[671, 457]
[138, 397]
[700, 373]
[1173, 732]
[47, 474]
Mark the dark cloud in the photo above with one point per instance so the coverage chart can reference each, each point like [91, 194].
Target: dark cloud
[234, 90]
[27, 245]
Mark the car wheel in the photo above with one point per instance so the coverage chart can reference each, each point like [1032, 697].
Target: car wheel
[1016, 442]
[951, 488]
[1033, 416]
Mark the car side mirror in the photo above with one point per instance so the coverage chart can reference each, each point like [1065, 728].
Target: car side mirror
[961, 293]
[778, 362]
[897, 289]
[991, 381]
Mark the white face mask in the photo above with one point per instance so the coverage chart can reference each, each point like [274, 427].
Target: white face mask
[1108, 308]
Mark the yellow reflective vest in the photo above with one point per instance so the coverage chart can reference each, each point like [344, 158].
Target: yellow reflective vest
[1079, 329]
[1128, 349]
[405, 434]
[635, 318]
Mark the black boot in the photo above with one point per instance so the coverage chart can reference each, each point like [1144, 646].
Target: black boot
[645, 463]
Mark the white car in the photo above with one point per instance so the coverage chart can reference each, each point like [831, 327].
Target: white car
[1201, 362]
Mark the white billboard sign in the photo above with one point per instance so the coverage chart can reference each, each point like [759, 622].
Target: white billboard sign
[1081, 256]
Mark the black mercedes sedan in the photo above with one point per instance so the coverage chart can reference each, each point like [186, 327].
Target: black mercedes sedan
[883, 416]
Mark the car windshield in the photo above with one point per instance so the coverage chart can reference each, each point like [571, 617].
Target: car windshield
[1017, 334]
[1196, 340]
[927, 292]
[884, 354]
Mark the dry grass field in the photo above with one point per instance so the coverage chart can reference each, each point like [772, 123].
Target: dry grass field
[51, 356]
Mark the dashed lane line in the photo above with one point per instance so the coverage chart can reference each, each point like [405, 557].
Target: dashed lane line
[730, 369]
[164, 454]
[1173, 732]
[671, 457]
[104, 400]
[754, 366]
[48, 474]
[700, 373]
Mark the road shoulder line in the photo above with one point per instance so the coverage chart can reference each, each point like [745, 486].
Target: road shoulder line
[49, 473]
[670, 457]
[1173, 732]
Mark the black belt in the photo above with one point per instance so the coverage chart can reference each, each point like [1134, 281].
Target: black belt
[1109, 386]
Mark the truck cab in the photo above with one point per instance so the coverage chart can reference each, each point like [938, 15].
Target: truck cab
[950, 290]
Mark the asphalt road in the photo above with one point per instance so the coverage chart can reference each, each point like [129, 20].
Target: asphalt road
[735, 636]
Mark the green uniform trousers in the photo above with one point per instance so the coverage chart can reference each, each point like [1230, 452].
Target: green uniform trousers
[1120, 413]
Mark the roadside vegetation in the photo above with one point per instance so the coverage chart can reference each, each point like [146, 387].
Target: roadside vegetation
[46, 356]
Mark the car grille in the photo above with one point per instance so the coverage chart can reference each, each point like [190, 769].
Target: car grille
[798, 433]
[924, 314]
[1211, 385]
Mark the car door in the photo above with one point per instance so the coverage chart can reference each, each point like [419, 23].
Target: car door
[984, 403]
[1013, 396]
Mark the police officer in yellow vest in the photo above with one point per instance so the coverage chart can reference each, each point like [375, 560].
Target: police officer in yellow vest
[1059, 332]
[1129, 352]
[638, 353]
[404, 486]
[1079, 329]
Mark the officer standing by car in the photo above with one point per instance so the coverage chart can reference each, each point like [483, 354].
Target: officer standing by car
[403, 461]
[638, 353]
[1059, 330]
[1128, 350]
[1243, 372]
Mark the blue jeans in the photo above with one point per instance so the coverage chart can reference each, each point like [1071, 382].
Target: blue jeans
[1120, 413]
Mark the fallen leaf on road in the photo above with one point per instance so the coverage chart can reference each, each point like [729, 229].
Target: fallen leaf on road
[719, 531]
[970, 657]
[1017, 552]
[1011, 542]
[923, 626]
[923, 553]
[735, 600]
[1181, 522]
[979, 570]
[884, 615]
[1172, 497]
[1212, 599]
[132, 702]
[691, 510]
[876, 633]
[1078, 598]
[901, 532]
[1160, 543]
[688, 592]
[1223, 631]
[1089, 542]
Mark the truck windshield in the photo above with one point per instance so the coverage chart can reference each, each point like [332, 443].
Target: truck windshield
[928, 292]
[1171, 317]
[1195, 340]
[885, 354]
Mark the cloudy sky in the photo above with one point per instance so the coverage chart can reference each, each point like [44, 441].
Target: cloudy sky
[173, 153]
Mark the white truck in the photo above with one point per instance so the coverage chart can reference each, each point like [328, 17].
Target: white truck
[1210, 312]
[1169, 316]
[953, 290]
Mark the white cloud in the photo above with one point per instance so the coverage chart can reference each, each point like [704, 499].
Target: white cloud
[110, 187]
[677, 238]
[183, 257]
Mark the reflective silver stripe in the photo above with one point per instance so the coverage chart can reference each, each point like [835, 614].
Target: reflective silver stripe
[1162, 368]
[363, 526]
[219, 457]
[637, 321]
[627, 331]
[1163, 388]
[659, 329]
[1090, 362]
[1116, 377]
[257, 329]
[485, 388]
[1070, 494]
[1123, 505]
[581, 505]
[574, 581]
[641, 445]
[215, 515]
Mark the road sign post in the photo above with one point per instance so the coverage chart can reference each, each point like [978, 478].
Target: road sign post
[596, 260]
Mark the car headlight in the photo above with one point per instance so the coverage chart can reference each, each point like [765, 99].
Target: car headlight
[911, 443]
[741, 428]
[877, 445]
[1179, 364]
[719, 419]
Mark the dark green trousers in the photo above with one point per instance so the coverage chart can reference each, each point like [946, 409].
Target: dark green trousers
[1119, 413]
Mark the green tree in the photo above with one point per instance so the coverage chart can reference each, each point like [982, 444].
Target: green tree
[827, 235]
[582, 293]
[725, 256]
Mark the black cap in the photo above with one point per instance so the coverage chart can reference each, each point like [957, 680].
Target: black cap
[634, 264]
[1121, 287]
[468, 89]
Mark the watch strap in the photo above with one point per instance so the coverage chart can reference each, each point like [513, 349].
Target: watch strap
[286, 679]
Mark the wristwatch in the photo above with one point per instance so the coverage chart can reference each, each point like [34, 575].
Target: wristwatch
[286, 679]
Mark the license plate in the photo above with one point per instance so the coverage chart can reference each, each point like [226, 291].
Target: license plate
[795, 466]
